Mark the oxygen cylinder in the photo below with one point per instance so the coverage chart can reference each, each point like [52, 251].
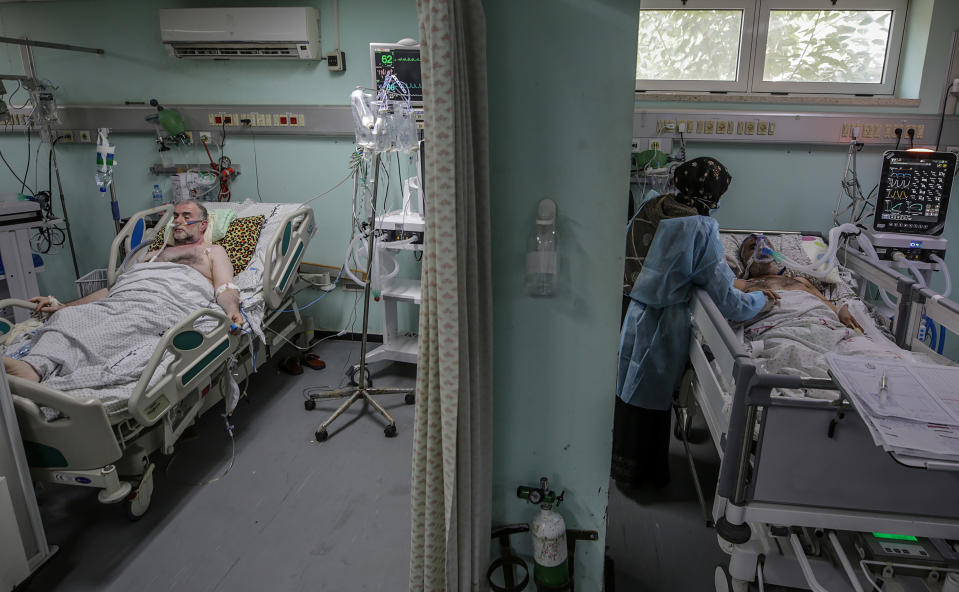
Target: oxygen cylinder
[548, 529]
[549, 549]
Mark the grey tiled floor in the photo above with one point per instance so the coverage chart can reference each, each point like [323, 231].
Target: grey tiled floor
[292, 514]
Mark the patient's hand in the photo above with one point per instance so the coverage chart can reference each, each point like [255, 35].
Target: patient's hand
[846, 318]
[46, 304]
[771, 296]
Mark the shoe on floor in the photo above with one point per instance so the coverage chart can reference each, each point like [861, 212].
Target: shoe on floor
[291, 365]
[313, 361]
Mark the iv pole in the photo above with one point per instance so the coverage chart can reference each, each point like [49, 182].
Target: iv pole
[363, 389]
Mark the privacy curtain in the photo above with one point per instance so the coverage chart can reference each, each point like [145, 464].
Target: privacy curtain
[452, 443]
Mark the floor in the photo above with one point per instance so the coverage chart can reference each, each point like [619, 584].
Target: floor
[657, 538]
[290, 514]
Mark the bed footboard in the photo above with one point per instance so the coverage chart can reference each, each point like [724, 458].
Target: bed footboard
[284, 254]
[80, 440]
[196, 356]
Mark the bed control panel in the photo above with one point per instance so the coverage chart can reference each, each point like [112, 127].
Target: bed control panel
[914, 189]
[891, 547]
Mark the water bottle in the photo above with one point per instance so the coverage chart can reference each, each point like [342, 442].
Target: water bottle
[103, 179]
[542, 257]
[157, 196]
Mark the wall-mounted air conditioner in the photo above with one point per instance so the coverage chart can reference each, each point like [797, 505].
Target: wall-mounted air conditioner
[241, 33]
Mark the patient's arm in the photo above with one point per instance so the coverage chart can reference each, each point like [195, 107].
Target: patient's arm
[228, 298]
[45, 304]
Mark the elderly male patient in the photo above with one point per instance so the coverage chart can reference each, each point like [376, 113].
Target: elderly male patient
[100, 339]
[768, 275]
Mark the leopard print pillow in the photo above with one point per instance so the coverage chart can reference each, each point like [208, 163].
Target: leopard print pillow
[240, 241]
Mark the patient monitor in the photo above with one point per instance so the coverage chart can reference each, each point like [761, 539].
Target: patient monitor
[911, 205]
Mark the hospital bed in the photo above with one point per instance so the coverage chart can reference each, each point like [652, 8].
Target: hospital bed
[92, 444]
[801, 484]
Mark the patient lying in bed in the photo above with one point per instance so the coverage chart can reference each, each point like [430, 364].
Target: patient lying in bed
[107, 338]
[793, 337]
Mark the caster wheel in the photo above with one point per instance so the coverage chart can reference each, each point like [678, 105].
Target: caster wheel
[309, 404]
[390, 431]
[321, 435]
[409, 399]
[353, 374]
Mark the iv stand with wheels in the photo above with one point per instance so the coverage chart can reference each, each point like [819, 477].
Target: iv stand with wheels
[363, 389]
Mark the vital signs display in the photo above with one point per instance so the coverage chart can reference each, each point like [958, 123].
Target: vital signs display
[914, 191]
[403, 61]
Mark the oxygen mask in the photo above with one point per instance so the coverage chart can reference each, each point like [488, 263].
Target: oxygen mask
[765, 255]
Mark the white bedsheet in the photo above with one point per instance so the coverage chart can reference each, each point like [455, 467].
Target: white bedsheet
[793, 338]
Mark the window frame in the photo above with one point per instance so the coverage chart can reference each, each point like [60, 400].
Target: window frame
[746, 43]
[893, 48]
[753, 41]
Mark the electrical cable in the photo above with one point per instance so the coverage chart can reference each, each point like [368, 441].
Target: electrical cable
[942, 116]
[26, 173]
[321, 295]
[14, 173]
[256, 168]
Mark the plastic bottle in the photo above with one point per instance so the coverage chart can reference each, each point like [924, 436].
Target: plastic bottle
[157, 196]
[105, 161]
[542, 257]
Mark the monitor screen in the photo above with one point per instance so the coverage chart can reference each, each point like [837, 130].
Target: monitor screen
[404, 62]
[914, 191]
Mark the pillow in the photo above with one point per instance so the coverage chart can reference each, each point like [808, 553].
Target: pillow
[240, 241]
[219, 224]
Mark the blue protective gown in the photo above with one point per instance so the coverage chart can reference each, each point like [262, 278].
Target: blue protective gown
[686, 253]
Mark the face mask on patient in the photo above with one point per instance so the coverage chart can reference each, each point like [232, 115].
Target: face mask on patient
[759, 258]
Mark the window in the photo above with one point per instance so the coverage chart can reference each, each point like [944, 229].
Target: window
[803, 46]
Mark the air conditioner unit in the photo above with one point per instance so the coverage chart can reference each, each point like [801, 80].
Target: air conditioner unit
[241, 33]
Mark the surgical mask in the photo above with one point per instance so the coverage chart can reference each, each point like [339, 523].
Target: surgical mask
[714, 210]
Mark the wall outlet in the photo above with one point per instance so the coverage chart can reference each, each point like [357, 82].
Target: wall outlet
[66, 137]
[189, 138]
[661, 144]
[206, 137]
[638, 144]
[83, 136]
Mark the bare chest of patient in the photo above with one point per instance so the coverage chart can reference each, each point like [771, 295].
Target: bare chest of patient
[196, 257]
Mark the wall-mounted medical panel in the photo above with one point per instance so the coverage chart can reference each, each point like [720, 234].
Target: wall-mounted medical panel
[794, 128]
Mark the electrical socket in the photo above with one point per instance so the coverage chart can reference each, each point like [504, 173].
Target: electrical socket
[206, 137]
[189, 137]
[83, 136]
[637, 142]
[66, 137]
[661, 144]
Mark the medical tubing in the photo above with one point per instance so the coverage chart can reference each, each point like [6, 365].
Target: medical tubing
[867, 248]
[825, 264]
[945, 273]
[123, 266]
[844, 561]
[911, 265]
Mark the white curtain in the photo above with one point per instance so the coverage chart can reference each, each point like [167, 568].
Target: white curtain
[452, 440]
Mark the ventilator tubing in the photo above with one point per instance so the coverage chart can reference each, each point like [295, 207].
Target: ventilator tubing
[945, 272]
[824, 266]
[867, 248]
[356, 252]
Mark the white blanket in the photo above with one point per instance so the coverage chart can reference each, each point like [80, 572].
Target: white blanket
[795, 335]
[99, 350]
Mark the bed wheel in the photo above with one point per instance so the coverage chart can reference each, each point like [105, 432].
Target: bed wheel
[725, 583]
[309, 404]
[409, 399]
[322, 435]
[139, 501]
[390, 431]
[737, 534]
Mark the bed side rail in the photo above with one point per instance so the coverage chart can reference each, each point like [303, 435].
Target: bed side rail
[891, 281]
[80, 440]
[284, 253]
[939, 309]
[6, 325]
[716, 333]
[196, 355]
[133, 233]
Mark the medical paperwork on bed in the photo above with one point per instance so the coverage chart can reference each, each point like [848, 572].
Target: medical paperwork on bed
[920, 414]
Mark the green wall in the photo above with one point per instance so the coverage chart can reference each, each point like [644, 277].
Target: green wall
[136, 67]
[559, 128]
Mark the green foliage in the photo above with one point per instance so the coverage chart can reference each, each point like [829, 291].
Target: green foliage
[688, 45]
[802, 45]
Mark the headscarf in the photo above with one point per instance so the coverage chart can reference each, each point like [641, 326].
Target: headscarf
[701, 182]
